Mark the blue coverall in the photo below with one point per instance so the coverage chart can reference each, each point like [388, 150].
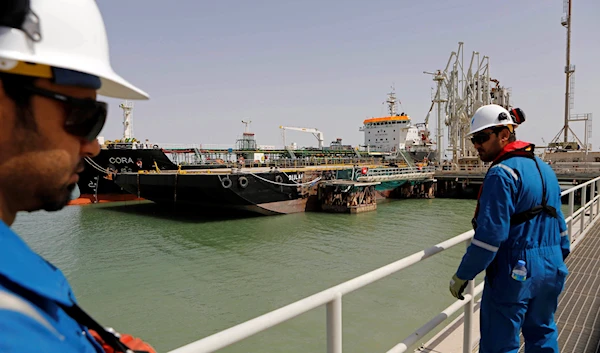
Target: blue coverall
[507, 306]
[31, 320]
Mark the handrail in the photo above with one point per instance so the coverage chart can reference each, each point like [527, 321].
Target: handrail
[397, 171]
[332, 297]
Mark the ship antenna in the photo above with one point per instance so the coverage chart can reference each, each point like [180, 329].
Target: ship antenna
[392, 102]
[127, 107]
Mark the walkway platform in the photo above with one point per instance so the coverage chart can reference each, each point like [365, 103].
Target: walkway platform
[578, 314]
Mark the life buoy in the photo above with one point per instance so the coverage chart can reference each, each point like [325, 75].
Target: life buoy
[243, 181]
[155, 147]
[364, 170]
[278, 179]
[226, 182]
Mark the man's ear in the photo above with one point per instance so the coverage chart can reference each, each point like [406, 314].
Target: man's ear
[504, 135]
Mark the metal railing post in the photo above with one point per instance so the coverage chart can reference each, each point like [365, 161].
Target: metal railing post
[592, 195]
[334, 325]
[583, 199]
[598, 202]
[571, 205]
[469, 308]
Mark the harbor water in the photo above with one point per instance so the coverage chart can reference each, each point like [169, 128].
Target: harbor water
[172, 279]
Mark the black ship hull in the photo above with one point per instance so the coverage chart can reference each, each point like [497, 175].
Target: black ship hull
[265, 193]
[96, 184]
[256, 191]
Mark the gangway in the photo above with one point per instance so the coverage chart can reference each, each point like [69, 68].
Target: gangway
[580, 219]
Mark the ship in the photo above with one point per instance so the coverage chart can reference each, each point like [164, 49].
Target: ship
[396, 134]
[269, 182]
[124, 155]
[128, 155]
[95, 182]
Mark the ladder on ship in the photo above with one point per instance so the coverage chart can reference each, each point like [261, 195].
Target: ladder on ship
[407, 158]
[290, 151]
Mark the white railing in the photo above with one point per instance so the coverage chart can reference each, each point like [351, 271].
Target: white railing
[398, 171]
[578, 221]
[178, 146]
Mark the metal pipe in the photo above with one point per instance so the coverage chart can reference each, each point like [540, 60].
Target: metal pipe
[433, 323]
[598, 191]
[592, 197]
[583, 207]
[469, 308]
[334, 325]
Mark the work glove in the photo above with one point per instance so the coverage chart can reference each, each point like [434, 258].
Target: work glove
[134, 343]
[457, 286]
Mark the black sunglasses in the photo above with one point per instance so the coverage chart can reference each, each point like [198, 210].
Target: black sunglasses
[482, 137]
[85, 117]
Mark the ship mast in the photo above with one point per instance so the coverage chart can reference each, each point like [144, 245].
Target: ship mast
[247, 123]
[127, 107]
[391, 101]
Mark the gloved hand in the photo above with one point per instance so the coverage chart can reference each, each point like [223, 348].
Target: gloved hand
[457, 286]
[133, 343]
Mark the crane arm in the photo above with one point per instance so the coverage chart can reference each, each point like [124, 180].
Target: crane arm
[318, 134]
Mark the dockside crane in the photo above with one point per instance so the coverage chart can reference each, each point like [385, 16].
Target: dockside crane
[316, 133]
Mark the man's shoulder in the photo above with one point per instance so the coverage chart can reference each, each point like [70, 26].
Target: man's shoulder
[504, 170]
[21, 333]
[25, 328]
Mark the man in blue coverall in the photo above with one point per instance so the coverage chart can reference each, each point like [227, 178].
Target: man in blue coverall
[518, 217]
[53, 61]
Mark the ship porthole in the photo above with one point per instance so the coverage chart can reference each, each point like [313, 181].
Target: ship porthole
[243, 181]
[226, 182]
[278, 179]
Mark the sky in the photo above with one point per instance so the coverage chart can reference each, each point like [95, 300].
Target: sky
[208, 65]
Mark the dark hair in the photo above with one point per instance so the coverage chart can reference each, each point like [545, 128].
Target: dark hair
[13, 88]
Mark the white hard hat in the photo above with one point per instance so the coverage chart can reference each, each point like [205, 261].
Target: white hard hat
[489, 116]
[63, 34]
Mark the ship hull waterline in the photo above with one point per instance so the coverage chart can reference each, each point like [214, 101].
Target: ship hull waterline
[264, 193]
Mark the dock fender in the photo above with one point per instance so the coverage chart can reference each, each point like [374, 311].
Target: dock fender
[243, 181]
[226, 182]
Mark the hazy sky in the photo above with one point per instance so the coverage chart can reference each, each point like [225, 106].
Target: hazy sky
[329, 64]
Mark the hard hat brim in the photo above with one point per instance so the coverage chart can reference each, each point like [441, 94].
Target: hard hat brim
[117, 87]
[489, 126]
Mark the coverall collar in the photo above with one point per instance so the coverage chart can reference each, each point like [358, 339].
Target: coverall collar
[22, 266]
[515, 146]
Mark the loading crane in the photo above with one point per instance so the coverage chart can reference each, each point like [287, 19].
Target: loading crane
[316, 133]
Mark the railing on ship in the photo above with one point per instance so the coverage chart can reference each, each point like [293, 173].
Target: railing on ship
[579, 222]
[399, 171]
[558, 167]
[298, 163]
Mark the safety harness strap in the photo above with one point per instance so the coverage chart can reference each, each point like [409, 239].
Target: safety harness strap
[533, 212]
[109, 338]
